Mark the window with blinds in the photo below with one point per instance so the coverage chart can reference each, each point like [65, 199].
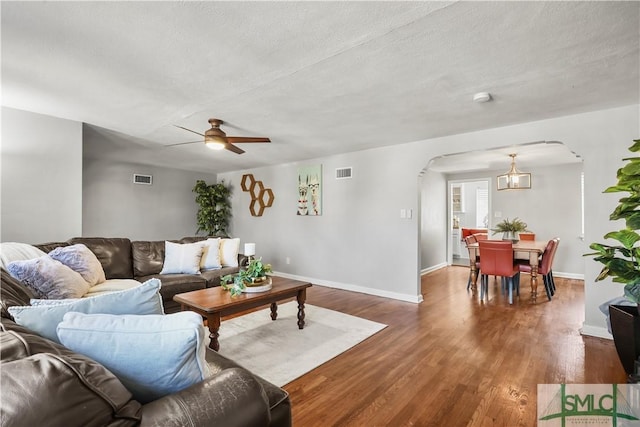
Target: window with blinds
[482, 208]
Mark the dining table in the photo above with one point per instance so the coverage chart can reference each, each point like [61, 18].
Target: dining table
[530, 248]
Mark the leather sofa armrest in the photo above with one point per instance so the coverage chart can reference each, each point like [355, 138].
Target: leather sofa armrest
[231, 398]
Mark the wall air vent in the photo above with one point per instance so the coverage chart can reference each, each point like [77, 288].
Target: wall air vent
[344, 173]
[142, 179]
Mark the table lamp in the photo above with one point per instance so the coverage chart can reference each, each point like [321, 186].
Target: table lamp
[249, 251]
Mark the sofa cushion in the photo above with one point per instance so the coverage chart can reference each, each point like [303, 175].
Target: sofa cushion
[13, 251]
[181, 258]
[81, 260]
[229, 252]
[44, 317]
[113, 253]
[148, 257]
[49, 246]
[70, 389]
[152, 355]
[210, 255]
[49, 278]
[12, 292]
[213, 276]
[177, 283]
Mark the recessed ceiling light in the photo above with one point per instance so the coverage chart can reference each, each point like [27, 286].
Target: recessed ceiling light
[481, 97]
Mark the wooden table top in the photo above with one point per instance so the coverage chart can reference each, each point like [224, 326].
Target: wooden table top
[523, 245]
[218, 299]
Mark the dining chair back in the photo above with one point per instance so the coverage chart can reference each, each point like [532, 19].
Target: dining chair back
[481, 236]
[545, 267]
[496, 258]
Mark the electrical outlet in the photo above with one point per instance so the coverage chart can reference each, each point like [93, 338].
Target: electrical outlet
[403, 213]
[497, 214]
[288, 260]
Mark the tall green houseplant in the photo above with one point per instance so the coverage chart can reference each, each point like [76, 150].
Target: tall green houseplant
[622, 261]
[214, 208]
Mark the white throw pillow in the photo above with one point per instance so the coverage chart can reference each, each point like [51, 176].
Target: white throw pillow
[44, 317]
[229, 252]
[152, 355]
[80, 259]
[14, 251]
[182, 258]
[48, 278]
[210, 255]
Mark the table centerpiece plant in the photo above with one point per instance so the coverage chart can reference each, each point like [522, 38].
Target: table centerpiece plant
[254, 274]
[621, 261]
[510, 228]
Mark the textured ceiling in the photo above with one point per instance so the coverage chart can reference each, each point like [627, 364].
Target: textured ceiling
[318, 78]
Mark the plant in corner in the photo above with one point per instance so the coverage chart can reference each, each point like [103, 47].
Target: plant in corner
[255, 273]
[214, 208]
[510, 228]
[622, 261]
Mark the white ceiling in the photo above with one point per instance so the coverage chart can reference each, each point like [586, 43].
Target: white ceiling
[318, 78]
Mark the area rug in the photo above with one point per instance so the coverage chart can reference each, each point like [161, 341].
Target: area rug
[280, 352]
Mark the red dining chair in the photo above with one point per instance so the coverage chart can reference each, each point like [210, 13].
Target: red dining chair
[544, 269]
[467, 241]
[481, 236]
[496, 258]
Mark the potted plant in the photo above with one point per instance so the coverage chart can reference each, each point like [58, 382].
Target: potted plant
[255, 274]
[214, 208]
[622, 260]
[509, 229]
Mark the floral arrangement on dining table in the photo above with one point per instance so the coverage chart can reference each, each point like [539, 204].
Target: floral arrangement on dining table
[255, 274]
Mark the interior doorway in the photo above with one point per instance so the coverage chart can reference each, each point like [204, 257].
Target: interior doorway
[468, 207]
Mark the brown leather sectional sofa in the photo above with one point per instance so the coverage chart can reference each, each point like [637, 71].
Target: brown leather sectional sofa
[44, 383]
[122, 258]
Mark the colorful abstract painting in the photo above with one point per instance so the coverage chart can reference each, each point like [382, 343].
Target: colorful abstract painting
[310, 190]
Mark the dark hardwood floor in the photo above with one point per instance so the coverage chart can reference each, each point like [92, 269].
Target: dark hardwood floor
[452, 360]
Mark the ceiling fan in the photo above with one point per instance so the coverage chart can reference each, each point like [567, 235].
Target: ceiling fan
[216, 139]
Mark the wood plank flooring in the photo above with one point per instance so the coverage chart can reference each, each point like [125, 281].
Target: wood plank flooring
[452, 360]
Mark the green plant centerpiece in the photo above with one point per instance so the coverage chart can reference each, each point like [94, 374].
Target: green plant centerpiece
[254, 274]
[622, 261]
[214, 208]
[510, 228]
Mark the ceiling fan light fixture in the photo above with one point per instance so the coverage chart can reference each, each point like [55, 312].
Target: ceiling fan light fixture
[215, 142]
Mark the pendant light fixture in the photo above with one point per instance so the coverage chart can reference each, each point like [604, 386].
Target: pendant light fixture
[514, 179]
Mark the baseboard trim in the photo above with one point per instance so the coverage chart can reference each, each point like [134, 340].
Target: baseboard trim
[354, 288]
[568, 275]
[433, 268]
[595, 331]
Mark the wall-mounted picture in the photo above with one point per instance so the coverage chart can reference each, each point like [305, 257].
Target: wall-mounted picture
[310, 190]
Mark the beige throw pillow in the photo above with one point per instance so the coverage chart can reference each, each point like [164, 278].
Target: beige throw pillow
[229, 252]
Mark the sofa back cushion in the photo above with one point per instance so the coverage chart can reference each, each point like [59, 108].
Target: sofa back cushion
[114, 254]
[49, 246]
[148, 257]
[69, 389]
[12, 293]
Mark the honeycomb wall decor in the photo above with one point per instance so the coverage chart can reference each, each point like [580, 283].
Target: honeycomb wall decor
[261, 198]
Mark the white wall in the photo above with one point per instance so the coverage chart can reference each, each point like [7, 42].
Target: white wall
[116, 207]
[41, 174]
[433, 223]
[361, 243]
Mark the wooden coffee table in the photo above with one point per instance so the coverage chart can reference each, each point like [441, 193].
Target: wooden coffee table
[213, 303]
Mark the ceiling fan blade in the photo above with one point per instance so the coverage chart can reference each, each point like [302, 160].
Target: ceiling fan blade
[233, 148]
[182, 143]
[241, 139]
[189, 130]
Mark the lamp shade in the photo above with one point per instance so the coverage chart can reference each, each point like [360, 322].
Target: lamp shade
[249, 249]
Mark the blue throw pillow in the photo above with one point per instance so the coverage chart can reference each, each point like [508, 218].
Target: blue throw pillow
[43, 318]
[152, 355]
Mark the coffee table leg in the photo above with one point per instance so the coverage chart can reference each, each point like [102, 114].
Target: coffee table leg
[213, 320]
[302, 297]
[274, 311]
